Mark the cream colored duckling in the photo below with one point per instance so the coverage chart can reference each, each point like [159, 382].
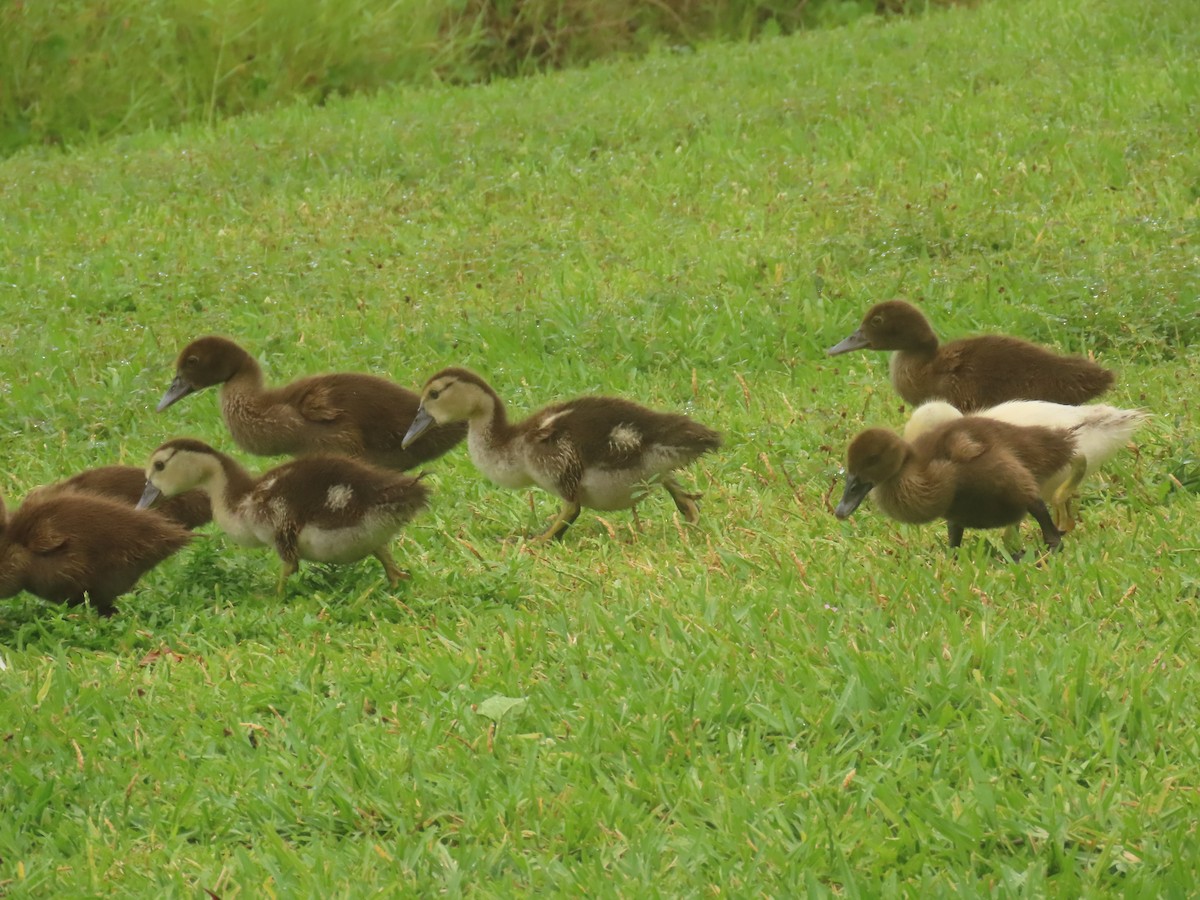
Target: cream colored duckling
[973, 472]
[329, 509]
[597, 452]
[1099, 430]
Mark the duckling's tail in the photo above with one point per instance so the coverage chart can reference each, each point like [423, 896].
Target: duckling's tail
[1103, 431]
[700, 438]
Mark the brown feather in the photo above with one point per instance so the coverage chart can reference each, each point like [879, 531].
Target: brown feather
[973, 373]
[973, 472]
[125, 484]
[300, 507]
[65, 546]
[592, 451]
[348, 413]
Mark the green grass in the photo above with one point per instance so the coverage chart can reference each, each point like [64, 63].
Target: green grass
[771, 703]
[73, 71]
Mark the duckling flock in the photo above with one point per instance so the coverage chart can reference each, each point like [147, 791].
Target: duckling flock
[999, 436]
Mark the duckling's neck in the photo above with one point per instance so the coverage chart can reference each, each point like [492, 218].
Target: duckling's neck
[910, 372]
[246, 407]
[491, 445]
[228, 486]
[914, 494]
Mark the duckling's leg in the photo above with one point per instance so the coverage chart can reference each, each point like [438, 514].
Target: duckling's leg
[394, 573]
[1051, 535]
[685, 501]
[102, 603]
[954, 532]
[288, 569]
[1011, 539]
[568, 514]
[1065, 496]
[289, 555]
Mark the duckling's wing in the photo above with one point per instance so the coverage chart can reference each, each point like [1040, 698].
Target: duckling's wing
[962, 447]
[319, 403]
[614, 433]
[44, 537]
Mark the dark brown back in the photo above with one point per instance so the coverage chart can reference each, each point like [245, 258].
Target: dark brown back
[190, 509]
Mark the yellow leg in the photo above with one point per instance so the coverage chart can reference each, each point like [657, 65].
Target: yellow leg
[393, 572]
[1064, 498]
[288, 570]
[568, 514]
[685, 501]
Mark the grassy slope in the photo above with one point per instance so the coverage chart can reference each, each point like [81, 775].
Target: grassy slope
[769, 702]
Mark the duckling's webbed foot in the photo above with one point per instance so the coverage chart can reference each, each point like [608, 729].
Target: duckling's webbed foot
[568, 514]
[393, 572]
[1050, 534]
[685, 501]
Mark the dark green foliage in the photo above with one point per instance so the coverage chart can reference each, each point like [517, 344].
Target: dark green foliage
[77, 69]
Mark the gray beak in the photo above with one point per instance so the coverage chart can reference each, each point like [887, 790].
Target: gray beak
[419, 426]
[177, 391]
[149, 495]
[853, 494]
[856, 341]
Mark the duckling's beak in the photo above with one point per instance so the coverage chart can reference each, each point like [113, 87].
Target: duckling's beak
[149, 495]
[419, 426]
[856, 341]
[179, 389]
[853, 494]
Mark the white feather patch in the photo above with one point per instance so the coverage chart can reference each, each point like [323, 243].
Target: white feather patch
[625, 438]
[339, 496]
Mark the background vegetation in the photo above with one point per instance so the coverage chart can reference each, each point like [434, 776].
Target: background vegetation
[71, 70]
[768, 703]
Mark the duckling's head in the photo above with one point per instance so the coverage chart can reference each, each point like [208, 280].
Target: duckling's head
[452, 395]
[203, 363]
[892, 325]
[875, 456]
[177, 466]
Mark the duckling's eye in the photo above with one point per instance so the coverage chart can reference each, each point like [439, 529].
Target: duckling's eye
[433, 395]
[159, 465]
[877, 321]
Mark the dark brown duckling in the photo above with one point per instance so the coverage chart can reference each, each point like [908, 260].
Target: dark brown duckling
[971, 373]
[597, 452]
[330, 509]
[342, 413]
[190, 509]
[973, 472]
[65, 546]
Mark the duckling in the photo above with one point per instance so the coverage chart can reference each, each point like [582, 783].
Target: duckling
[125, 483]
[971, 373]
[972, 472]
[66, 546]
[1100, 431]
[330, 509]
[597, 452]
[343, 413]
